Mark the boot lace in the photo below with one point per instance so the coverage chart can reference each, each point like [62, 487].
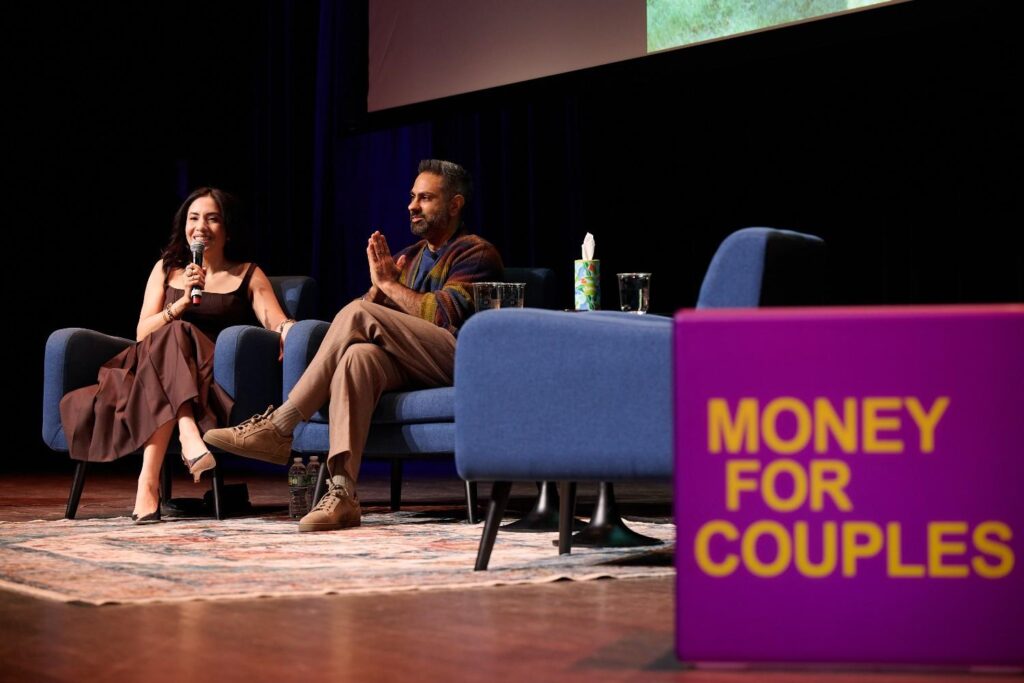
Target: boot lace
[332, 497]
[254, 422]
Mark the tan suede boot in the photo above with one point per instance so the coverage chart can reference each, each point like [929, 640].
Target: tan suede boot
[256, 438]
[338, 509]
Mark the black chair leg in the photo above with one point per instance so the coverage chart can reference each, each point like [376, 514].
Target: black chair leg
[76, 490]
[218, 494]
[566, 513]
[165, 482]
[321, 482]
[471, 502]
[499, 498]
[396, 484]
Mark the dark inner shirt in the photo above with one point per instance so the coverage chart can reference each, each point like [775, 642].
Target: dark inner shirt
[426, 263]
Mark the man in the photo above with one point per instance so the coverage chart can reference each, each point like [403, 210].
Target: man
[400, 334]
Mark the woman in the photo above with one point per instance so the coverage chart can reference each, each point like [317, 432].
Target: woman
[166, 379]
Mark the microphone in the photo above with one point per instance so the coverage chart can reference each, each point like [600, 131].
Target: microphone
[197, 248]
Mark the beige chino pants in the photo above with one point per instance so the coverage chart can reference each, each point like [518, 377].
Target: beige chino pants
[369, 349]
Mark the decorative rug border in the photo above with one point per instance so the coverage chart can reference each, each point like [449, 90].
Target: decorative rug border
[442, 540]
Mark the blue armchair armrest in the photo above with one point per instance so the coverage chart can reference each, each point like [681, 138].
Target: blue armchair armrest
[72, 360]
[303, 341]
[245, 365]
[545, 395]
[245, 361]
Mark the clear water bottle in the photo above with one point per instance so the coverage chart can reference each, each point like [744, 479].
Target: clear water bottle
[298, 484]
[312, 472]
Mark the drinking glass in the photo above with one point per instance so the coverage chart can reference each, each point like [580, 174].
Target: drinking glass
[498, 295]
[634, 291]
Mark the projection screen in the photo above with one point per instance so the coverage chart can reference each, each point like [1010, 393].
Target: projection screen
[421, 51]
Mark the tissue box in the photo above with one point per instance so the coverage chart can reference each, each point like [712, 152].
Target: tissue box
[588, 284]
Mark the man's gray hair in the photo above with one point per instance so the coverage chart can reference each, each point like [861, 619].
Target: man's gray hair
[454, 179]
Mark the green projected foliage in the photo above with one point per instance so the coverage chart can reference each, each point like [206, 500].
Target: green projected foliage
[673, 23]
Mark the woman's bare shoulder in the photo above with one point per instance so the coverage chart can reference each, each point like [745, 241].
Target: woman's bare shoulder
[158, 271]
[239, 269]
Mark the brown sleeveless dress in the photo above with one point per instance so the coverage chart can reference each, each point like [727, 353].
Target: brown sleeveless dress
[142, 388]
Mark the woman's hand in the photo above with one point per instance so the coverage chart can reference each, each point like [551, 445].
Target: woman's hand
[195, 276]
[284, 327]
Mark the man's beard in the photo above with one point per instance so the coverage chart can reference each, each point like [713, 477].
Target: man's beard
[428, 224]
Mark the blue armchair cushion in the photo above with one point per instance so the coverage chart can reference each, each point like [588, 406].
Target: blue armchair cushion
[545, 395]
[423, 405]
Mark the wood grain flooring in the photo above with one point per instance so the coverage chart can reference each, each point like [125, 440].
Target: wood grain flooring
[593, 631]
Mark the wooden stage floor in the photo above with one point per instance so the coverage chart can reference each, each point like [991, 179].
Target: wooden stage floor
[591, 631]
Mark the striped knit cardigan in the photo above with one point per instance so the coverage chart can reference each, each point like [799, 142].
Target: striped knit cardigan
[462, 260]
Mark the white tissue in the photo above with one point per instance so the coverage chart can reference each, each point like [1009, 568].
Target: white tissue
[588, 247]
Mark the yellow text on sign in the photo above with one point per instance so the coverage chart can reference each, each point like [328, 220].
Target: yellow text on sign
[953, 549]
[870, 424]
[817, 481]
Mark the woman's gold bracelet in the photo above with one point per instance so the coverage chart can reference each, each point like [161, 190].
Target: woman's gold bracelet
[167, 313]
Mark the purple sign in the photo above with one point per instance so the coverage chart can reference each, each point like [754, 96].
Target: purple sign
[850, 485]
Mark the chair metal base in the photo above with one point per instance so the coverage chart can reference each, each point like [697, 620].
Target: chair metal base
[606, 528]
[543, 516]
[184, 507]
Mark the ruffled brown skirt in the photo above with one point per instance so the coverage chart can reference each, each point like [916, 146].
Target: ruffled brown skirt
[141, 389]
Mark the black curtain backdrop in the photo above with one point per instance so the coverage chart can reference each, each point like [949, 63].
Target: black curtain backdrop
[894, 134]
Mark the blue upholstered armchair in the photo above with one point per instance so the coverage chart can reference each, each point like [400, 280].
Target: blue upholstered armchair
[407, 424]
[595, 403]
[245, 366]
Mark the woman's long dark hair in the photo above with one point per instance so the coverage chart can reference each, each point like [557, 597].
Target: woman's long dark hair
[177, 253]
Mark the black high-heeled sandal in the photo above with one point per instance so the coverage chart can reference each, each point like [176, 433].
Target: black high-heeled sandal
[199, 464]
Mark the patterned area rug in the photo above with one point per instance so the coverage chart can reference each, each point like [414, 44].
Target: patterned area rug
[103, 561]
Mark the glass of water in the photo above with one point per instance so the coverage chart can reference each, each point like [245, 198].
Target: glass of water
[498, 295]
[634, 291]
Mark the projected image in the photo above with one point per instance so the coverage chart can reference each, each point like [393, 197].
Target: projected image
[674, 23]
